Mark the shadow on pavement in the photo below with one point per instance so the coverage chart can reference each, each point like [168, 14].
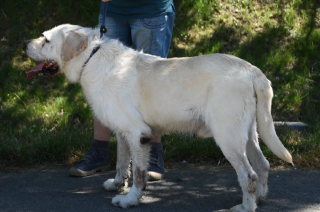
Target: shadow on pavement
[180, 190]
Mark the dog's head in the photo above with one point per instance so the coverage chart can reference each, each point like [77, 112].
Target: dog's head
[56, 48]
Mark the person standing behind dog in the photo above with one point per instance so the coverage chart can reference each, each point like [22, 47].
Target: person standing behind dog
[143, 25]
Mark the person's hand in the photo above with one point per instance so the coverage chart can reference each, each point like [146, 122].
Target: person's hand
[106, 0]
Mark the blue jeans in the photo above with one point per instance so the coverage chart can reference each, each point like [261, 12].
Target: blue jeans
[151, 35]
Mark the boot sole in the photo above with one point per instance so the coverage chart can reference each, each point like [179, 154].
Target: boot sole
[79, 173]
[154, 176]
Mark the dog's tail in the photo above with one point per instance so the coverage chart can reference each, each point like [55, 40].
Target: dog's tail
[264, 92]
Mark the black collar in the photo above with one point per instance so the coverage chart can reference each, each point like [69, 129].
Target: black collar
[95, 49]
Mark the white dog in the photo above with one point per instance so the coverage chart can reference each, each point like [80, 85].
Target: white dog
[138, 96]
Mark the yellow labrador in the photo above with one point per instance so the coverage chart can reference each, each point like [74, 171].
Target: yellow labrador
[138, 96]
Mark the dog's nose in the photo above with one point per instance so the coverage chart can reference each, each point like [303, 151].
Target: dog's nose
[25, 45]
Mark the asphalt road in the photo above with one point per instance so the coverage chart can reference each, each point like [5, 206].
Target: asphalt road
[183, 189]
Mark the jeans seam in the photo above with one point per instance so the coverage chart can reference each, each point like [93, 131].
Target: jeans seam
[151, 39]
[152, 26]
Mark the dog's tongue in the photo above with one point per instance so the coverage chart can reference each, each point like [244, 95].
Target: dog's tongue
[36, 69]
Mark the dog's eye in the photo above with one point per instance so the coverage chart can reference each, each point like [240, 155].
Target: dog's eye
[45, 41]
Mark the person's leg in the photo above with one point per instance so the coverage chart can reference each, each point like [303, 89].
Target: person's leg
[153, 36]
[100, 132]
[97, 158]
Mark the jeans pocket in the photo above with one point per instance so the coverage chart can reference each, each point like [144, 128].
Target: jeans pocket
[155, 23]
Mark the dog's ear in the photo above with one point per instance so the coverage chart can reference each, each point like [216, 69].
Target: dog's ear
[74, 44]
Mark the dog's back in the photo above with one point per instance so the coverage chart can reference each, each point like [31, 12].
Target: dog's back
[187, 90]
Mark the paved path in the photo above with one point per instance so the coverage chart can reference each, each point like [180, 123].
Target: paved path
[183, 189]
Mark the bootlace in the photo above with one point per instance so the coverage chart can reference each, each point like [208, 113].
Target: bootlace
[90, 155]
[154, 158]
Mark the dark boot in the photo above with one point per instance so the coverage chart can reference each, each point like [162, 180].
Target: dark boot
[96, 160]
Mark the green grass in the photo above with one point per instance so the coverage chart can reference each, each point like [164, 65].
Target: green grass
[47, 120]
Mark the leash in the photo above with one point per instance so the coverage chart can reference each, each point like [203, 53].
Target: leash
[103, 28]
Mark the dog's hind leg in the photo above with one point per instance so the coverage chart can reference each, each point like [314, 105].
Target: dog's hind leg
[259, 163]
[232, 138]
[229, 114]
[235, 154]
[140, 161]
[123, 168]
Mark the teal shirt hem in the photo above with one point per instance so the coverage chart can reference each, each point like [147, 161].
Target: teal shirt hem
[138, 8]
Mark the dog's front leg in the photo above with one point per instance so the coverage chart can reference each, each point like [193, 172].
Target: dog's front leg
[123, 168]
[140, 161]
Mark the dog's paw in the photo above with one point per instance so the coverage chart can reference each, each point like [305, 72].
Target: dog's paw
[261, 192]
[125, 201]
[109, 185]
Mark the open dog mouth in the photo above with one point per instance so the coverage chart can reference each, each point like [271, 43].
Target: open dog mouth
[48, 68]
